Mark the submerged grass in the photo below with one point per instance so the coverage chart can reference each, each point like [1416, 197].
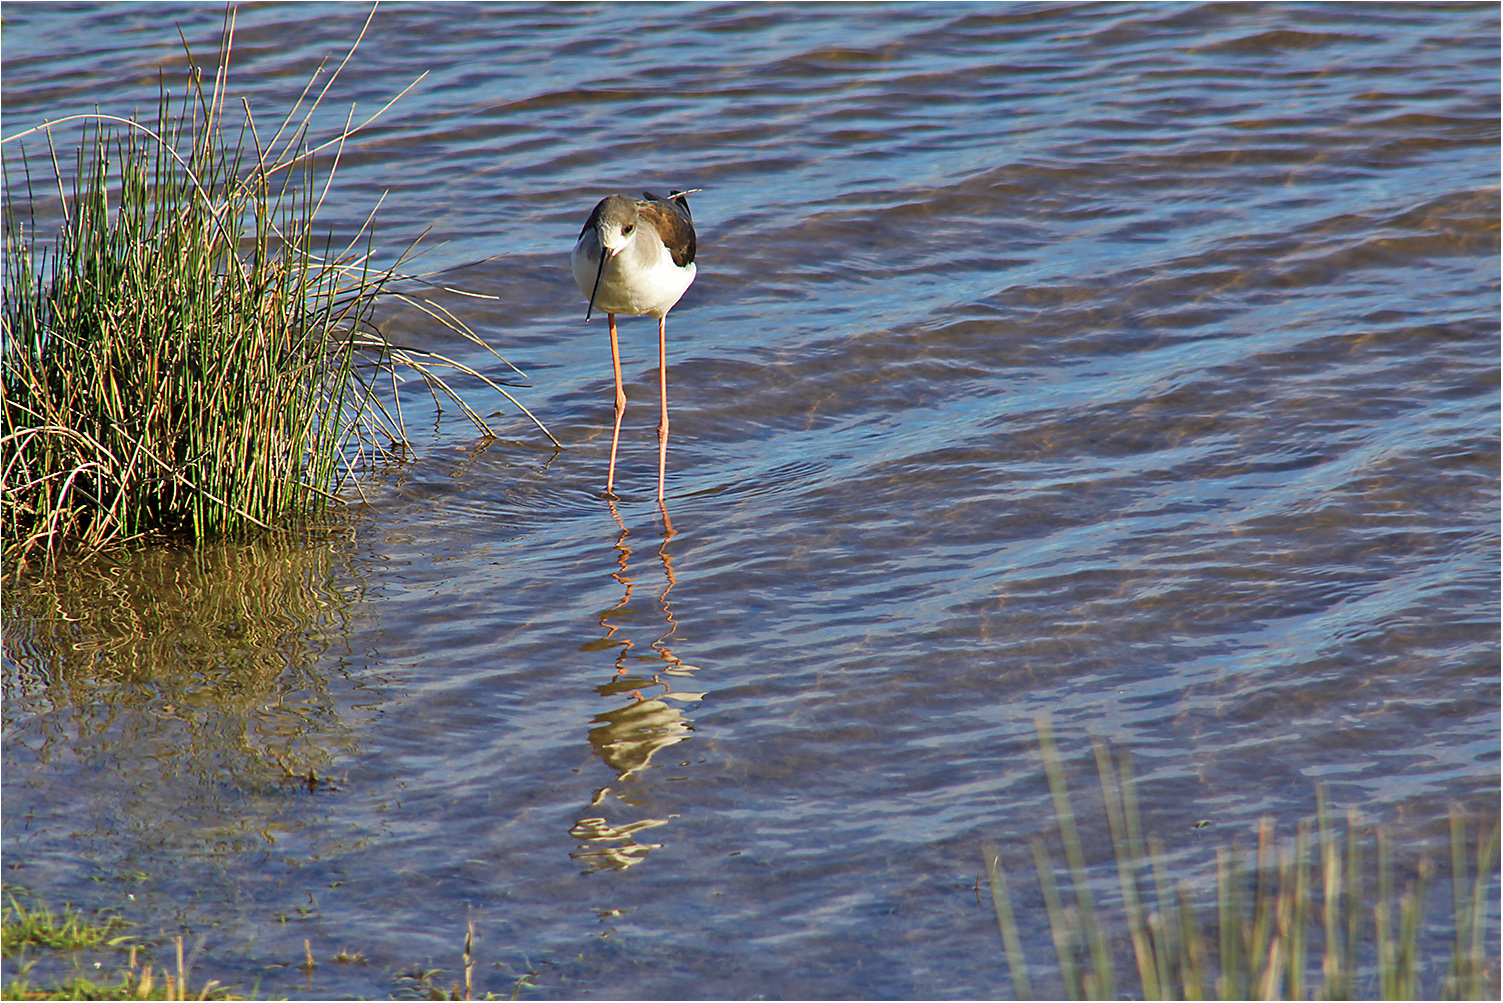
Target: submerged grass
[66, 930]
[131, 982]
[1282, 925]
[190, 357]
[123, 975]
[69, 930]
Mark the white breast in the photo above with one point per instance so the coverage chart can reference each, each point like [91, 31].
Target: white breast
[640, 281]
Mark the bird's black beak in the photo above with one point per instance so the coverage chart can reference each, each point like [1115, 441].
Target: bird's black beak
[599, 272]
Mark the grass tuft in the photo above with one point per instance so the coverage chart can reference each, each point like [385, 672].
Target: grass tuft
[71, 931]
[67, 930]
[1292, 920]
[190, 356]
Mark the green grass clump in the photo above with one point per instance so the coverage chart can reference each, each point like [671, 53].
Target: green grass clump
[122, 976]
[185, 360]
[129, 983]
[1281, 927]
[70, 930]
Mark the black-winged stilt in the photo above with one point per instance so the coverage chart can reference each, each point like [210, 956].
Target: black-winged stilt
[636, 257]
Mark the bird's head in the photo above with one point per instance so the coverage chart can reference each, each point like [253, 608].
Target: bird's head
[616, 222]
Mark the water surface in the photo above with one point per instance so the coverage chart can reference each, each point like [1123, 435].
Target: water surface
[1137, 365]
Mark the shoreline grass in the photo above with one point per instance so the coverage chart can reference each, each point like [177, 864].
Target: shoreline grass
[190, 357]
[68, 930]
[1282, 925]
[125, 975]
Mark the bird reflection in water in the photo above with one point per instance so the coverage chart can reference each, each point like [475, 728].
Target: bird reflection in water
[627, 737]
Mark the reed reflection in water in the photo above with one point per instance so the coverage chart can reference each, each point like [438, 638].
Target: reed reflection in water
[201, 684]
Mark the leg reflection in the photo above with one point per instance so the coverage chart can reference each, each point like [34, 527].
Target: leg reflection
[627, 737]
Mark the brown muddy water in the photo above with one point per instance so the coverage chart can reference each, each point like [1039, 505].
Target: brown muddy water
[1137, 365]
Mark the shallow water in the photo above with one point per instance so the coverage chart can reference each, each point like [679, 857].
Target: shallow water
[1137, 365]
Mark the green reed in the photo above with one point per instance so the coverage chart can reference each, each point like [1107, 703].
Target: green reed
[1289, 921]
[191, 356]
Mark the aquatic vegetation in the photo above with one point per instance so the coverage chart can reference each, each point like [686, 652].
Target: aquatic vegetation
[1282, 925]
[66, 930]
[121, 975]
[192, 357]
[69, 930]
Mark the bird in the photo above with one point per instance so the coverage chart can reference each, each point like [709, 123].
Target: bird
[636, 257]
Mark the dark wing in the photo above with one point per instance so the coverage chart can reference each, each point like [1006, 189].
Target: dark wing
[670, 217]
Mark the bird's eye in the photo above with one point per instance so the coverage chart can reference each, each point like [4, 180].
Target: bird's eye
[627, 229]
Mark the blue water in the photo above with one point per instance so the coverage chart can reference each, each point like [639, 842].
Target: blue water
[1134, 365]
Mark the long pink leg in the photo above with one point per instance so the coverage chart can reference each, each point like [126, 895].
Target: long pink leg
[663, 396]
[610, 479]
